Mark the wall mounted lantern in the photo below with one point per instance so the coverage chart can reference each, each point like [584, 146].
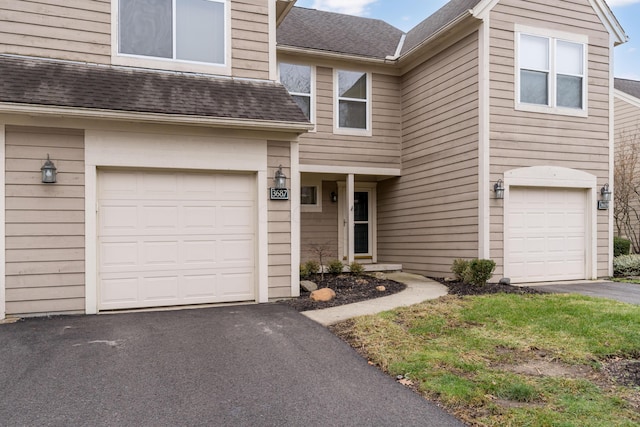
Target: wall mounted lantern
[334, 197]
[279, 191]
[605, 198]
[48, 172]
[498, 187]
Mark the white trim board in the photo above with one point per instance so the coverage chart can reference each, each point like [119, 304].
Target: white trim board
[3, 289]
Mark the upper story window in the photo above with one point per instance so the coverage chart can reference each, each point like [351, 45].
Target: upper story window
[551, 74]
[353, 89]
[298, 79]
[192, 31]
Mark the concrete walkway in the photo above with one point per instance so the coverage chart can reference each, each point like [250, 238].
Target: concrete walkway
[419, 289]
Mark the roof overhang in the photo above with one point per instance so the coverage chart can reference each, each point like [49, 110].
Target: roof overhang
[445, 36]
[335, 56]
[282, 9]
[624, 96]
[154, 118]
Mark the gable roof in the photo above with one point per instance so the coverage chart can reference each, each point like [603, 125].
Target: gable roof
[372, 38]
[443, 16]
[336, 32]
[38, 82]
[630, 87]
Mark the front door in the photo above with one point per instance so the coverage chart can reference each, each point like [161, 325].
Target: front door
[363, 225]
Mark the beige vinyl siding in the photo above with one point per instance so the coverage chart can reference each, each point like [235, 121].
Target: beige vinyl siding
[250, 38]
[80, 30]
[319, 230]
[44, 222]
[75, 30]
[429, 216]
[382, 149]
[279, 216]
[627, 132]
[523, 139]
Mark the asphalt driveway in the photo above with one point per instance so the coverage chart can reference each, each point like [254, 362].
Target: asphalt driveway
[624, 292]
[260, 365]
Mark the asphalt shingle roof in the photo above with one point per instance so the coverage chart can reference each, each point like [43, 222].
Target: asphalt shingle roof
[632, 87]
[435, 22]
[335, 32]
[57, 83]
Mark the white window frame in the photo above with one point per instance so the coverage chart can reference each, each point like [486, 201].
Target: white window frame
[336, 106]
[308, 181]
[553, 36]
[312, 95]
[171, 64]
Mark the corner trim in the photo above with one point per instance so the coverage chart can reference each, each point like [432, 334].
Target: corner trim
[484, 141]
[295, 219]
[3, 288]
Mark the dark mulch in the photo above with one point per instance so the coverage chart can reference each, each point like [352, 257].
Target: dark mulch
[461, 289]
[348, 288]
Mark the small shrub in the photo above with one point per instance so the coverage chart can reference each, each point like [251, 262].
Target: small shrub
[479, 272]
[459, 267]
[335, 266]
[356, 268]
[626, 265]
[312, 266]
[621, 246]
[304, 273]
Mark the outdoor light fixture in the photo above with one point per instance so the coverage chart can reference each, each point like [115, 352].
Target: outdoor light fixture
[498, 187]
[334, 197]
[605, 198]
[48, 172]
[606, 194]
[280, 181]
[280, 190]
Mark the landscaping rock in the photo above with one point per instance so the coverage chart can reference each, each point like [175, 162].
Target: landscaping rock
[308, 286]
[323, 295]
[380, 288]
[505, 281]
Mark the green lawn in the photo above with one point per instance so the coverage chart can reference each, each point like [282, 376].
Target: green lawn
[511, 360]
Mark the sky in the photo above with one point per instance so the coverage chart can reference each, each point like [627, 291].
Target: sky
[405, 14]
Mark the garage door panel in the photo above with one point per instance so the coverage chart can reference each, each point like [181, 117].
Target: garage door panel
[199, 286]
[546, 234]
[119, 254]
[236, 252]
[160, 289]
[118, 217]
[160, 254]
[200, 217]
[234, 285]
[198, 252]
[176, 238]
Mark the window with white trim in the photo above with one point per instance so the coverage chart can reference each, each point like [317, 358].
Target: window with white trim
[352, 99]
[551, 73]
[178, 30]
[298, 80]
[310, 193]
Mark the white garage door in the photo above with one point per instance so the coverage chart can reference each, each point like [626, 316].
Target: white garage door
[546, 234]
[175, 238]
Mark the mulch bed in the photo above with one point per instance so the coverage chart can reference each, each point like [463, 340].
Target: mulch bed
[461, 289]
[348, 288]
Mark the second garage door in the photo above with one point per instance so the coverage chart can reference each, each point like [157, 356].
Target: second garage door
[175, 238]
[546, 233]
